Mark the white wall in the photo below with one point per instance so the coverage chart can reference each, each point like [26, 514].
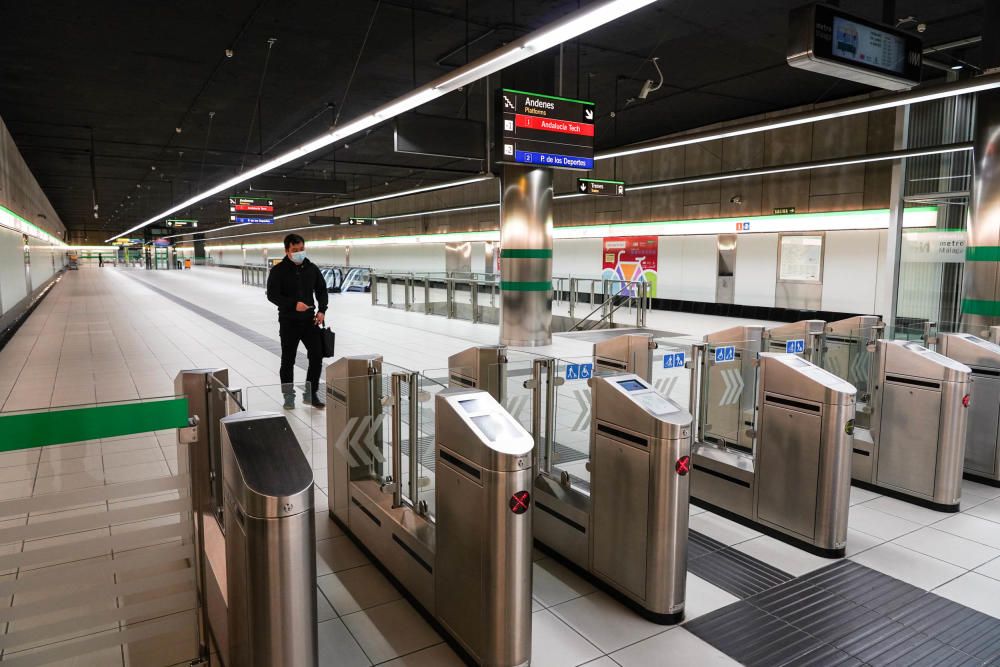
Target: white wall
[579, 258]
[850, 271]
[756, 269]
[13, 287]
[403, 258]
[687, 268]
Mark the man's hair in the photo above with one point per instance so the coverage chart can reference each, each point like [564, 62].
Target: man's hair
[292, 239]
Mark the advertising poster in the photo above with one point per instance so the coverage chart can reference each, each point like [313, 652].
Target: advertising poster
[631, 258]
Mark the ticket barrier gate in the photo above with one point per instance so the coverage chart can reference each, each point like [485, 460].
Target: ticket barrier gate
[794, 482]
[627, 528]
[252, 497]
[628, 353]
[847, 353]
[982, 455]
[480, 367]
[470, 566]
[807, 335]
[915, 448]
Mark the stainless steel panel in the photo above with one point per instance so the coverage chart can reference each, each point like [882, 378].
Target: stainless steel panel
[788, 453]
[798, 296]
[458, 257]
[627, 353]
[621, 514]
[981, 278]
[984, 426]
[479, 367]
[526, 223]
[863, 456]
[733, 492]
[725, 284]
[908, 438]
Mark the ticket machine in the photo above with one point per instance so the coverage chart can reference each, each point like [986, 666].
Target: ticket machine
[915, 448]
[982, 456]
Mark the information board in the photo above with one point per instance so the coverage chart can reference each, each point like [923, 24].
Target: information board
[251, 210]
[544, 130]
[600, 187]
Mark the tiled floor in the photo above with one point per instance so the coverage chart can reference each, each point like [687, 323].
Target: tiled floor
[103, 336]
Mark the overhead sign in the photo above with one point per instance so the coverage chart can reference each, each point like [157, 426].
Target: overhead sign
[181, 222]
[596, 186]
[251, 210]
[826, 40]
[544, 130]
[324, 220]
[360, 221]
[785, 210]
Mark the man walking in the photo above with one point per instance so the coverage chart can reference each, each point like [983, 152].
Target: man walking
[291, 286]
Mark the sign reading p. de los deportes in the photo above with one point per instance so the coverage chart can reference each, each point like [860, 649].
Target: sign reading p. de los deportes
[544, 130]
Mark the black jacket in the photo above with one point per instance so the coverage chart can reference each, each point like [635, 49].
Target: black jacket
[288, 283]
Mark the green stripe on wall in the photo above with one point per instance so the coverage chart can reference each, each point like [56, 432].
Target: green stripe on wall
[37, 429]
[982, 253]
[981, 307]
[526, 253]
[525, 286]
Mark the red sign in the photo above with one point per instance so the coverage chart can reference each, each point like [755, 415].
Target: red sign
[554, 125]
[519, 502]
[254, 207]
[631, 258]
[683, 465]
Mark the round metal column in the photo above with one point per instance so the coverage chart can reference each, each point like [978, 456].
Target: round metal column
[526, 256]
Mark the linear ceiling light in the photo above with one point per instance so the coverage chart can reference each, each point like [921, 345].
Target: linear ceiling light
[977, 85]
[573, 24]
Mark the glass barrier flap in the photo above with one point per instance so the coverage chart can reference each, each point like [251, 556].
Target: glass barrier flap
[671, 373]
[728, 393]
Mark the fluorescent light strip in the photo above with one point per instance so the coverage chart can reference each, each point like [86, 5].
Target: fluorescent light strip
[980, 84]
[574, 24]
[14, 222]
[826, 164]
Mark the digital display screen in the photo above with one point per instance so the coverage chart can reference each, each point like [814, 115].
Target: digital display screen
[472, 405]
[632, 385]
[868, 46]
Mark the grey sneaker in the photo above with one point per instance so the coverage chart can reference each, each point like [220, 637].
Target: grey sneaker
[289, 402]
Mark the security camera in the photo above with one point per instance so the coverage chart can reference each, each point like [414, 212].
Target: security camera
[921, 27]
[736, 199]
[646, 89]
[649, 86]
[229, 53]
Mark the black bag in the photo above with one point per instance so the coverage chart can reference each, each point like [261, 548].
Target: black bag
[327, 338]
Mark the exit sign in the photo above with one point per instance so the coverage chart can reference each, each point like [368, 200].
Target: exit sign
[786, 210]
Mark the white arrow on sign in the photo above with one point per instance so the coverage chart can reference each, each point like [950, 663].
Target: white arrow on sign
[583, 187]
[588, 114]
[734, 386]
[859, 368]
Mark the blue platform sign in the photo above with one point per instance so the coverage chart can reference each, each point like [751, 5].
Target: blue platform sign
[725, 353]
[795, 346]
[554, 160]
[579, 371]
[675, 360]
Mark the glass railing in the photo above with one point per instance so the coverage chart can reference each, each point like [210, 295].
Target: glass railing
[96, 536]
[673, 369]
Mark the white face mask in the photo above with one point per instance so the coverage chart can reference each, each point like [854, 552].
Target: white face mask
[299, 256]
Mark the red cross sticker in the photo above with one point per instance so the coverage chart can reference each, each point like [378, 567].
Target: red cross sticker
[519, 502]
[683, 465]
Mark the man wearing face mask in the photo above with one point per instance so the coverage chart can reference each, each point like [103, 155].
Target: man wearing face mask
[292, 285]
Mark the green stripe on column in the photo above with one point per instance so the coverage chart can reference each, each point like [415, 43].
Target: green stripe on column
[982, 253]
[525, 286]
[981, 307]
[526, 253]
[37, 429]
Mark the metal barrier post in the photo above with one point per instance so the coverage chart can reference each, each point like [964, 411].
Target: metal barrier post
[407, 293]
[374, 279]
[536, 410]
[414, 388]
[474, 299]
[397, 438]
[572, 297]
[697, 354]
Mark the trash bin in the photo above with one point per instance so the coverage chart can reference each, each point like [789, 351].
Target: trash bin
[187, 262]
[270, 543]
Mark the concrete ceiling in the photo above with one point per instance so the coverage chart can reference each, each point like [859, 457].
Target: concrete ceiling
[124, 77]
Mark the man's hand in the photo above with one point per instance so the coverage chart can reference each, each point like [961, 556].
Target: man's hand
[301, 307]
[320, 317]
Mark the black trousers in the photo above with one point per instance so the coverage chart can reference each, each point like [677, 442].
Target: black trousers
[291, 333]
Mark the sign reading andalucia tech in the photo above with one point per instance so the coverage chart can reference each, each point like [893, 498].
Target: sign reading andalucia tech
[544, 130]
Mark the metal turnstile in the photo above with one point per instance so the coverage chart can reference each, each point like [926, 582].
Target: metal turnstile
[810, 332]
[479, 367]
[982, 455]
[916, 445]
[628, 353]
[846, 354]
[630, 528]
[270, 543]
[470, 566]
[794, 480]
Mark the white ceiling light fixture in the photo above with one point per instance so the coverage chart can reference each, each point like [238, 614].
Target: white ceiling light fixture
[572, 25]
[977, 85]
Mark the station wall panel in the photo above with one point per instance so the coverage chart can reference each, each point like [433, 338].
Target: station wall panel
[418, 257]
[850, 271]
[756, 271]
[579, 258]
[13, 286]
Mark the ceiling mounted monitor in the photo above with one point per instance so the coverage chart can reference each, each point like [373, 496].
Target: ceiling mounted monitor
[826, 40]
